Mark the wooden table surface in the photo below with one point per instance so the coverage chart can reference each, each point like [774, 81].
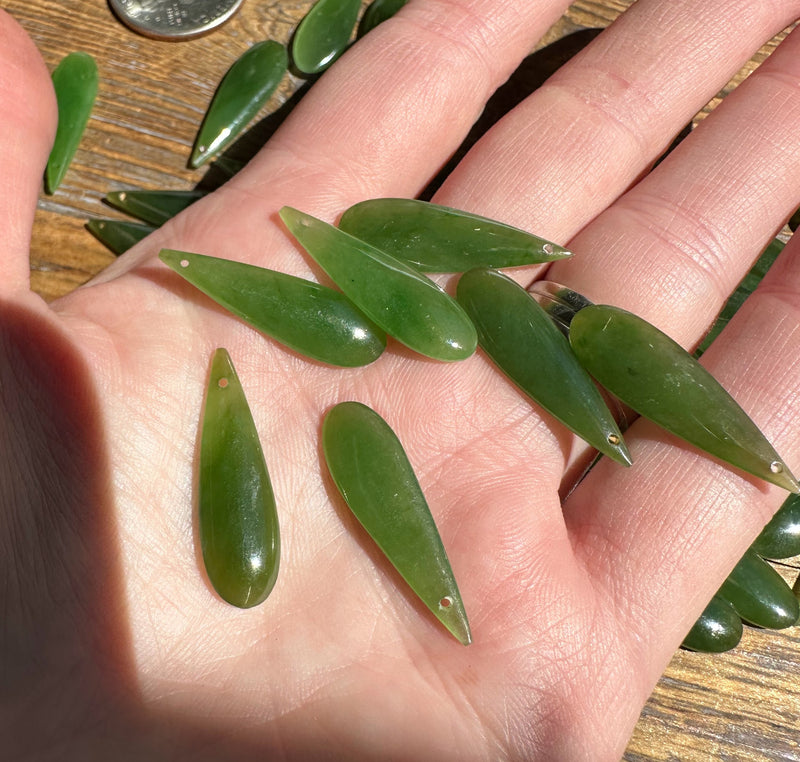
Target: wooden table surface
[740, 706]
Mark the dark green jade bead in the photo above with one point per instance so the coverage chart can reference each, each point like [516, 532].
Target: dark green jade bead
[718, 629]
[75, 81]
[153, 207]
[377, 12]
[243, 91]
[118, 235]
[759, 594]
[401, 300]
[311, 319]
[436, 238]
[526, 345]
[238, 522]
[780, 538]
[324, 34]
[373, 474]
[655, 376]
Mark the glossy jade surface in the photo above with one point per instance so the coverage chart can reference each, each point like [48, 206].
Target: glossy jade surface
[75, 81]
[118, 235]
[759, 594]
[243, 91]
[718, 629]
[780, 538]
[324, 34]
[404, 302]
[526, 345]
[437, 238]
[311, 319]
[238, 521]
[373, 474]
[655, 376]
[153, 207]
[377, 12]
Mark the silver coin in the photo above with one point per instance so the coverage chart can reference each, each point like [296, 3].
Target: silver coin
[174, 19]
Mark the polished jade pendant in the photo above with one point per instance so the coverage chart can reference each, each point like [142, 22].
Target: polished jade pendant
[437, 238]
[377, 12]
[238, 522]
[655, 376]
[718, 629]
[372, 472]
[526, 345]
[311, 319]
[401, 300]
[241, 94]
[559, 302]
[75, 81]
[324, 34]
[759, 594]
[780, 538]
[118, 235]
[153, 207]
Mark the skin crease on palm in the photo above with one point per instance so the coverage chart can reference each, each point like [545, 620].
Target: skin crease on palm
[114, 645]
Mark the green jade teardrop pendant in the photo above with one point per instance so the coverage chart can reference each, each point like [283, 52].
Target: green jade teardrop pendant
[373, 474]
[243, 91]
[780, 538]
[436, 238]
[311, 319]
[526, 345]
[323, 34]
[153, 207]
[75, 81]
[238, 522]
[717, 629]
[655, 376]
[401, 300]
[118, 235]
[759, 594]
[377, 12]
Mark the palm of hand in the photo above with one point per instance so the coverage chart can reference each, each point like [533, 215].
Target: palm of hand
[340, 659]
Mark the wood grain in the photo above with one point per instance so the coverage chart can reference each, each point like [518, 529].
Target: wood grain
[740, 706]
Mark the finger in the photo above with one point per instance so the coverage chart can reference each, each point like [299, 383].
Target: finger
[658, 539]
[661, 537]
[578, 142]
[27, 104]
[674, 247]
[711, 183]
[380, 122]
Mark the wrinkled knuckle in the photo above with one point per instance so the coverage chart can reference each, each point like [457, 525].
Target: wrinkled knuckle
[692, 252]
[609, 106]
[457, 38]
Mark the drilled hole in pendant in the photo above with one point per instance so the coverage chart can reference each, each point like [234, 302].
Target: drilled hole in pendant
[613, 439]
[222, 383]
[122, 196]
[446, 602]
[184, 263]
[776, 467]
[548, 249]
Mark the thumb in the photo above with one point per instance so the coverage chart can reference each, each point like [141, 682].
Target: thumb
[27, 125]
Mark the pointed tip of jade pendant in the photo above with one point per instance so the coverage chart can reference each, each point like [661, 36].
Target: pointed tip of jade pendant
[781, 476]
[451, 613]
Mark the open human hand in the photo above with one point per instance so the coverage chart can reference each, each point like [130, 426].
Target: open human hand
[114, 645]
